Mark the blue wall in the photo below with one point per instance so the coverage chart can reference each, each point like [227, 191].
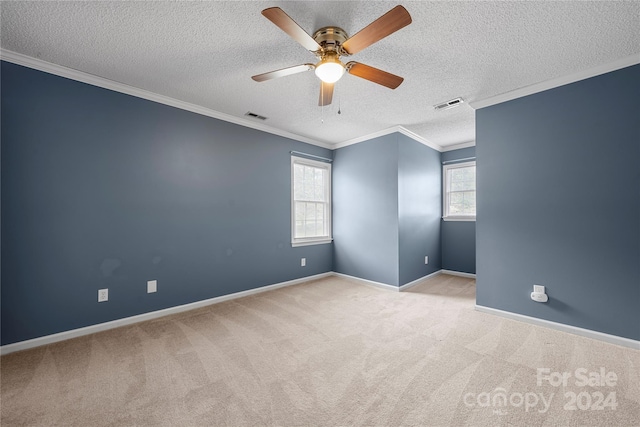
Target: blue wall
[459, 237]
[365, 210]
[559, 205]
[419, 209]
[386, 204]
[105, 190]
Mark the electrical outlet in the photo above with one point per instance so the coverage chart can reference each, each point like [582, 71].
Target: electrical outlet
[303, 262]
[103, 295]
[538, 294]
[426, 260]
[152, 286]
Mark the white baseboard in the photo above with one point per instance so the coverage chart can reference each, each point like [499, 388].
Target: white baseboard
[611, 339]
[368, 282]
[385, 285]
[459, 273]
[62, 336]
[417, 281]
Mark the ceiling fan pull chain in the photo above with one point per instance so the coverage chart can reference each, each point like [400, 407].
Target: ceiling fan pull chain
[322, 106]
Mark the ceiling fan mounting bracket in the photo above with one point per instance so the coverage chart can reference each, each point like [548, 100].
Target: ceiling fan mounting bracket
[330, 39]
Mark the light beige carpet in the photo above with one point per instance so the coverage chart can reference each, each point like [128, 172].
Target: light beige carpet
[325, 353]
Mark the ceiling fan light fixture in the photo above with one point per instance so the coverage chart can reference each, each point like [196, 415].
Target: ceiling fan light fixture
[330, 69]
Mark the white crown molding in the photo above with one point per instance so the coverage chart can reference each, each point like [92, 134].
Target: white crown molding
[367, 137]
[70, 73]
[81, 76]
[74, 333]
[394, 129]
[560, 81]
[420, 139]
[459, 146]
[588, 333]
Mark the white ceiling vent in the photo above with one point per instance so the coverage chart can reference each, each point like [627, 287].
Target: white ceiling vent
[254, 115]
[448, 104]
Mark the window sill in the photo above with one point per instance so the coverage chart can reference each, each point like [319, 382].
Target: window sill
[459, 218]
[311, 242]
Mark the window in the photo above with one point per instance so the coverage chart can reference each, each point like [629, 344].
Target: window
[310, 202]
[459, 192]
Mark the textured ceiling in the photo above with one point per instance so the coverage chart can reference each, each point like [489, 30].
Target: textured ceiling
[206, 52]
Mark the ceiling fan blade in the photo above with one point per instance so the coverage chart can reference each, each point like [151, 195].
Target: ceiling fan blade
[289, 26]
[283, 72]
[387, 24]
[326, 93]
[374, 75]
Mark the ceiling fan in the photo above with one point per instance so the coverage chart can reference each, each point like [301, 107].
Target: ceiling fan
[330, 43]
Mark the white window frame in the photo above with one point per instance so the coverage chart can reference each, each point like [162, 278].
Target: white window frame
[446, 194]
[305, 241]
